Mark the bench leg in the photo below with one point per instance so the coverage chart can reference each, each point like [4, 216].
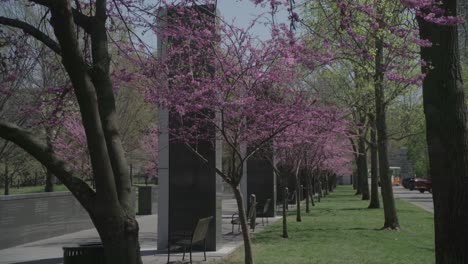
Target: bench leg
[190, 254]
[204, 251]
[183, 255]
[168, 253]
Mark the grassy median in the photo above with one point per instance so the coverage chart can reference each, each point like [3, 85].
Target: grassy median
[341, 229]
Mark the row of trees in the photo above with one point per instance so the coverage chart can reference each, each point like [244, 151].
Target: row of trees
[384, 46]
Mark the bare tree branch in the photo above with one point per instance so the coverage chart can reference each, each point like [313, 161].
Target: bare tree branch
[33, 31]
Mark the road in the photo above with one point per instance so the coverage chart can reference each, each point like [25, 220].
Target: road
[422, 200]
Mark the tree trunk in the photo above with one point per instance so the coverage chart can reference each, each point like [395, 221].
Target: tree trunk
[447, 139]
[374, 198]
[244, 226]
[326, 183]
[285, 215]
[7, 179]
[311, 193]
[119, 235]
[131, 173]
[35, 178]
[49, 184]
[298, 198]
[331, 183]
[357, 177]
[353, 180]
[391, 219]
[362, 167]
[319, 189]
[307, 191]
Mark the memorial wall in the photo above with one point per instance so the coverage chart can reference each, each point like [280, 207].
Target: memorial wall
[31, 217]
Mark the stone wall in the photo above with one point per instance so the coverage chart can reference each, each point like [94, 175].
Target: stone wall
[30, 217]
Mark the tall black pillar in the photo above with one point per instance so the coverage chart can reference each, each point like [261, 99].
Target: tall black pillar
[261, 181]
[189, 188]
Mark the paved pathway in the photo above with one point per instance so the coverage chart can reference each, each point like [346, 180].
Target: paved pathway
[49, 251]
[422, 200]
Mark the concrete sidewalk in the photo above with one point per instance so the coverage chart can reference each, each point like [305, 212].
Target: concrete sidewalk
[49, 251]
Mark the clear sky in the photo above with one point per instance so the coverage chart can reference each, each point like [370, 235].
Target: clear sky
[242, 12]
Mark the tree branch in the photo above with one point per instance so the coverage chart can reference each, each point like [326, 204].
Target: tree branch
[29, 143]
[33, 31]
[82, 20]
[46, 3]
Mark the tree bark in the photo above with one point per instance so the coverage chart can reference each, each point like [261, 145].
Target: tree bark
[7, 179]
[244, 226]
[447, 139]
[374, 198]
[358, 178]
[391, 218]
[119, 235]
[312, 186]
[49, 183]
[326, 183]
[298, 196]
[362, 167]
[354, 180]
[285, 215]
[307, 191]
[319, 188]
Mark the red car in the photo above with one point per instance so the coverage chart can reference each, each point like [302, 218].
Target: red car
[421, 184]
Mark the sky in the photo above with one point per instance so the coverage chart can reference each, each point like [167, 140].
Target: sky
[242, 13]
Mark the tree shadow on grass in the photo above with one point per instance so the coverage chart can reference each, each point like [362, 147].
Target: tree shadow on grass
[354, 209]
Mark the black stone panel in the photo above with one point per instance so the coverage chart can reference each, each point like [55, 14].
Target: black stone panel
[194, 188]
[261, 181]
[192, 191]
[287, 179]
[32, 217]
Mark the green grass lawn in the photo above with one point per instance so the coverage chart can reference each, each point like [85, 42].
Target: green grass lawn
[33, 189]
[341, 229]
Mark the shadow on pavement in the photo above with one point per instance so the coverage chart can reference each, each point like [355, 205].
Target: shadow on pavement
[60, 260]
[42, 261]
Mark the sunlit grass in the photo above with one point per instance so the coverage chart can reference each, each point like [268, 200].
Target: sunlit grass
[341, 229]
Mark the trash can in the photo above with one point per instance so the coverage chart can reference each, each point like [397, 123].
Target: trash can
[90, 253]
[147, 200]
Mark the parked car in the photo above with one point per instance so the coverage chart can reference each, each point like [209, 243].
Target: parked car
[408, 182]
[422, 185]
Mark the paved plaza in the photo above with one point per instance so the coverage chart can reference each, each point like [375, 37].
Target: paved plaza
[49, 251]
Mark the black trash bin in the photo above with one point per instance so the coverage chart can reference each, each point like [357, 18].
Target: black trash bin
[90, 253]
